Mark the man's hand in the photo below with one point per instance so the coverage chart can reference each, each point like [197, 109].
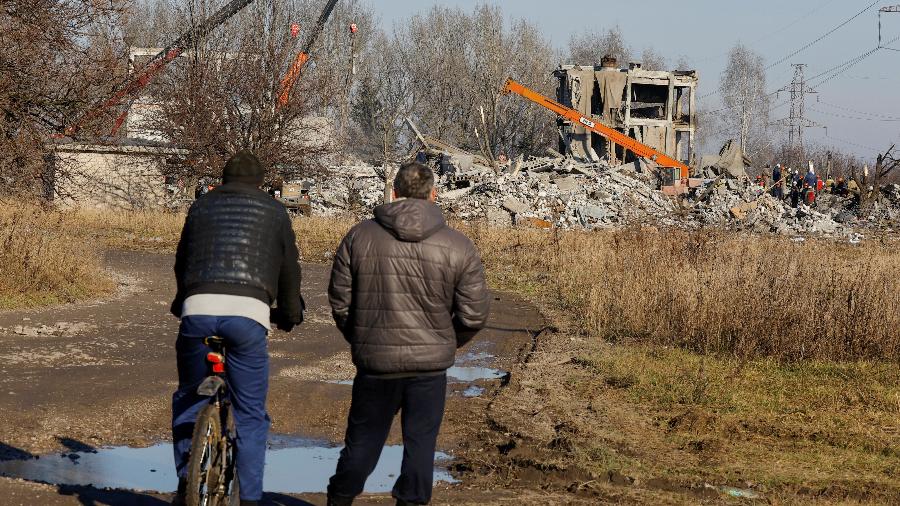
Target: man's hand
[280, 320]
[284, 326]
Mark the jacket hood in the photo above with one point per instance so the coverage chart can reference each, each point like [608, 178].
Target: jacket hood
[410, 220]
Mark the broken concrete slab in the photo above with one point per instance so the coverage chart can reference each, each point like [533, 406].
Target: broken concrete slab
[566, 184]
[740, 211]
[514, 205]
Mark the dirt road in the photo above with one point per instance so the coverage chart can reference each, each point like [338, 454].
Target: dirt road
[101, 374]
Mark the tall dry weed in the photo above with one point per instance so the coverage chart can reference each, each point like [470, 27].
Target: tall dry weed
[42, 262]
[711, 291]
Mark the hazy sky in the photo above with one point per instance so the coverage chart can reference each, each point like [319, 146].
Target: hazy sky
[861, 107]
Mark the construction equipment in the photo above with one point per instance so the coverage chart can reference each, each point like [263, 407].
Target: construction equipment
[295, 197]
[138, 81]
[678, 178]
[293, 73]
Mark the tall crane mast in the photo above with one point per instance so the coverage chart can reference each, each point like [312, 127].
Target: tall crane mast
[596, 126]
[293, 73]
[139, 80]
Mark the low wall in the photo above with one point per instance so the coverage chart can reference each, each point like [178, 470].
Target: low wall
[129, 177]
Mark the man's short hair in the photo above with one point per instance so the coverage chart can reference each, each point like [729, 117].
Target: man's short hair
[414, 181]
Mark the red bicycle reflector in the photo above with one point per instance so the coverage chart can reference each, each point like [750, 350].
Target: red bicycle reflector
[215, 358]
[353, 28]
[295, 30]
[218, 368]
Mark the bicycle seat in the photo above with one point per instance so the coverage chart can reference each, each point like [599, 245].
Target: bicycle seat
[213, 341]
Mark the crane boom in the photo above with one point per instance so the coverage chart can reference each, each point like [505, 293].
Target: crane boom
[139, 80]
[293, 73]
[597, 127]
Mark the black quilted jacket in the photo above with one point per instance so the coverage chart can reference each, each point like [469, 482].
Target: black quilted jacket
[237, 240]
[407, 290]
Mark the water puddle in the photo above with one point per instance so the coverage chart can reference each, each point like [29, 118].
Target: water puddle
[463, 374]
[473, 391]
[467, 373]
[293, 465]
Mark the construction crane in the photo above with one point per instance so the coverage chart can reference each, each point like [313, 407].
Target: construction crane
[293, 73]
[139, 80]
[594, 125]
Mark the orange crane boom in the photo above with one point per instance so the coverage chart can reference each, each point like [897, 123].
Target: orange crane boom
[293, 73]
[597, 127]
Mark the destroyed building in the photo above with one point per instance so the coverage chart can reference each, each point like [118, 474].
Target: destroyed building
[656, 108]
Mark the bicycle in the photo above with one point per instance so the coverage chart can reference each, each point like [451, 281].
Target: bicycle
[212, 480]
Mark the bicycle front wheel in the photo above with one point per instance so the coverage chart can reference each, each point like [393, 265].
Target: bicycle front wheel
[205, 464]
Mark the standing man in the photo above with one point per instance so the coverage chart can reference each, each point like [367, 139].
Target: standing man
[406, 291]
[236, 257]
[777, 183]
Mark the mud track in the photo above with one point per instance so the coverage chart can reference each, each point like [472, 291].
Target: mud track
[101, 374]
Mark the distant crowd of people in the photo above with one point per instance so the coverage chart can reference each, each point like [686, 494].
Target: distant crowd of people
[791, 184]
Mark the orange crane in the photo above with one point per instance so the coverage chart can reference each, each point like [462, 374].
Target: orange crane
[597, 127]
[139, 80]
[293, 73]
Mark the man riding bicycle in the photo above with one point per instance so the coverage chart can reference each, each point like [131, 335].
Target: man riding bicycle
[236, 257]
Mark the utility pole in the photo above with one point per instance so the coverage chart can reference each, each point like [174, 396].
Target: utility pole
[796, 122]
[886, 10]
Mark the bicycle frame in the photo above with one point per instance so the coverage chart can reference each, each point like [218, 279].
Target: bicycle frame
[216, 387]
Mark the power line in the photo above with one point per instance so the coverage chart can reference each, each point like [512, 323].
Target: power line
[829, 32]
[848, 65]
[809, 45]
[836, 115]
[864, 113]
[779, 30]
[851, 143]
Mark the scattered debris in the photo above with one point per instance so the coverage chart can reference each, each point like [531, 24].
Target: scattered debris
[566, 193]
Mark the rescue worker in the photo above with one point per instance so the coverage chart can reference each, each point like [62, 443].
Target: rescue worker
[778, 184]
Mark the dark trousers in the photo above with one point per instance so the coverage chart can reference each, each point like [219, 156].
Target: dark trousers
[376, 400]
[247, 372]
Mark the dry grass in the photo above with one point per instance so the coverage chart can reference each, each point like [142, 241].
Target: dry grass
[318, 238]
[136, 230]
[710, 291]
[40, 263]
[670, 419]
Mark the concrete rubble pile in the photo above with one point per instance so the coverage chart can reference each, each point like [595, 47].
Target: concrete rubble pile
[562, 192]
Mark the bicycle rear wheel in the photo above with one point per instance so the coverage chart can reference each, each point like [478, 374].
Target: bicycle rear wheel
[205, 464]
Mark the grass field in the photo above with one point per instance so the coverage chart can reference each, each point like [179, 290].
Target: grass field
[680, 361]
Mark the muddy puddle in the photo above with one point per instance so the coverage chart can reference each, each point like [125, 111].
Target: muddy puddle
[468, 372]
[293, 465]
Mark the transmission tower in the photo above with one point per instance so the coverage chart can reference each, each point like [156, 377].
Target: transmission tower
[886, 10]
[796, 122]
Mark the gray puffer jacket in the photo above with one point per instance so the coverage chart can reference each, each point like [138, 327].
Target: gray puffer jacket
[407, 290]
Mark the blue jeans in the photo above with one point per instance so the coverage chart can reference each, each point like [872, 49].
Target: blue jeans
[420, 401]
[247, 372]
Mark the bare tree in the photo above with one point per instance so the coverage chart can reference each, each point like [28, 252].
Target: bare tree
[222, 96]
[58, 58]
[743, 85]
[587, 48]
[870, 181]
[653, 59]
[456, 63]
[385, 97]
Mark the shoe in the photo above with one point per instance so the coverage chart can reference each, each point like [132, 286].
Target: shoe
[181, 493]
[401, 502]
